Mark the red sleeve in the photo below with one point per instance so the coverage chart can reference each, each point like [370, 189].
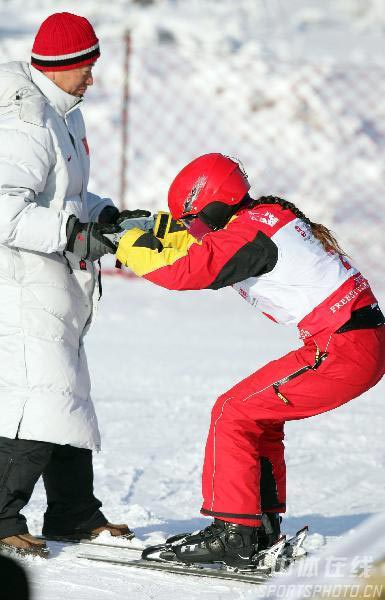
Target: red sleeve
[224, 257]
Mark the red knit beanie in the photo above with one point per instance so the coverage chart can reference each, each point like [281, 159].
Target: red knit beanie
[63, 42]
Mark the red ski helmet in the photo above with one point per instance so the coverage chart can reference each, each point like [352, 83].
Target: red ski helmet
[207, 179]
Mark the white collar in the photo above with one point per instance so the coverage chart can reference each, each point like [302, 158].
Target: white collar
[60, 100]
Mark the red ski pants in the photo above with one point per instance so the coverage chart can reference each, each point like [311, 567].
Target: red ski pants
[244, 471]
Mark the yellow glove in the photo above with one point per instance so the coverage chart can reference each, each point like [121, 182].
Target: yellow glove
[172, 234]
[147, 251]
[143, 253]
[125, 248]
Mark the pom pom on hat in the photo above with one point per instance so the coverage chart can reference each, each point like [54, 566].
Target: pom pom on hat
[63, 42]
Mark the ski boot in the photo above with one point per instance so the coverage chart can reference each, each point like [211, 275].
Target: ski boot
[258, 550]
[225, 542]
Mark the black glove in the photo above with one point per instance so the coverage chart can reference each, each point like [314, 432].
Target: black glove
[88, 241]
[132, 214]
[110, 214]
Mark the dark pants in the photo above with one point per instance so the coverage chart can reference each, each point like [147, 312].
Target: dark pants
[68, 480]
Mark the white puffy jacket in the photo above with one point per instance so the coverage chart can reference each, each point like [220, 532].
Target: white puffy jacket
[46, 300]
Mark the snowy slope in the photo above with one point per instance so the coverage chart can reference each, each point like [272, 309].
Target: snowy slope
[158, 361]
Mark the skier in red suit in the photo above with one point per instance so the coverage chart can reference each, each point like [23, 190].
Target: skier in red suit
[293, 271]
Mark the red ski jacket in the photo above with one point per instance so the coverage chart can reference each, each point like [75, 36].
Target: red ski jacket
[267, 254]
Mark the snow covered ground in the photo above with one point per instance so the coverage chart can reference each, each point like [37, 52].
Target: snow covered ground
[158, 361]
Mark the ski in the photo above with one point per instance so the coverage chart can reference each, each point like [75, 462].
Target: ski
[267, 562]
[45, 552]
[178, 568]
[86, 542]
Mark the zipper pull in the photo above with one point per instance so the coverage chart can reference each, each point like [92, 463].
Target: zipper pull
[280, 396]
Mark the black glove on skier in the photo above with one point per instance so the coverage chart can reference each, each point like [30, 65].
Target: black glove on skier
[88, 241]
[110, 214]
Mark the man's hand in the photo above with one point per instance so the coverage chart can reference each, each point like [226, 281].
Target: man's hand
[132, 214]
[110, 214]
[88, 240]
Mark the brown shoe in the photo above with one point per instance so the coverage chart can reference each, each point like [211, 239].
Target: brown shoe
[121, 531]
[24, 544]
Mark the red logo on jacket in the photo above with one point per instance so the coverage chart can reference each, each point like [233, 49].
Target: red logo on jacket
[86, 146]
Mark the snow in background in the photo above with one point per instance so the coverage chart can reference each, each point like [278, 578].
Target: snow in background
[159, 359]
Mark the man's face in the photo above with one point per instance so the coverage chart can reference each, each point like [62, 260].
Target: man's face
[74, 81]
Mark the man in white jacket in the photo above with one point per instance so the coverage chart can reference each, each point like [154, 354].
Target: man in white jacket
[51, 229]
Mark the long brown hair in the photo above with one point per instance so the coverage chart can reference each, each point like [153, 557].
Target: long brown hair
[320, 232]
